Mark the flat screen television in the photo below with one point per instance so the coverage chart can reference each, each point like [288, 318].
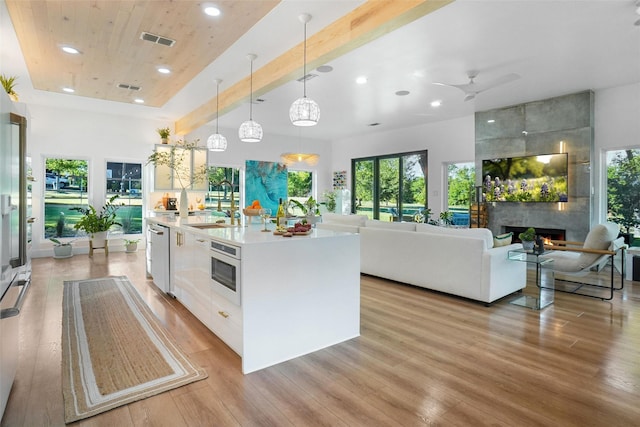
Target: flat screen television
[539, 178]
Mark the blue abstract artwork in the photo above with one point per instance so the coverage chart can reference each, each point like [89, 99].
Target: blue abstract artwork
[266, 182]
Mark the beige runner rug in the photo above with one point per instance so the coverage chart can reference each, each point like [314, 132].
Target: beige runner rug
[114, 351]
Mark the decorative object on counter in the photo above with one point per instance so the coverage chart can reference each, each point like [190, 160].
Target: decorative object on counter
[8, 83]
[108, 339]
[250, 131]
[61, 249]
[265, 214]
[131, 245]
[310, 209]
[330, 200]
[216, 141]
[527, 238]
[164, 134]
[177, 160]
[304, 111]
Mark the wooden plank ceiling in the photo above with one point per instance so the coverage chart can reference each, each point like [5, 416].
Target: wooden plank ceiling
[107, 33]
[373, 19]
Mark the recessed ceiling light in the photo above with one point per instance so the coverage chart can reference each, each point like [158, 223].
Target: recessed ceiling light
[436, 103]
[361, 80]
[164, 70]
[70, 49]
[402, 93]
[68, 89]
[491, 121]
[210, 9]
[138, 101]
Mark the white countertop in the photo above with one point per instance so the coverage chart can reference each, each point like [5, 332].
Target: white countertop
[239, 235]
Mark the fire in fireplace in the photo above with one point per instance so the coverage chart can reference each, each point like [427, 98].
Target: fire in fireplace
[546, 233]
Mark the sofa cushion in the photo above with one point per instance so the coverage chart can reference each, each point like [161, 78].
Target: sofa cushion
[336, 226]
[477, 233]
[599, 237]
[354, 220]
[405, 226]
[502, 239]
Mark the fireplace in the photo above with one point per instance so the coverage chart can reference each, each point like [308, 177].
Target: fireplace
[546, 233]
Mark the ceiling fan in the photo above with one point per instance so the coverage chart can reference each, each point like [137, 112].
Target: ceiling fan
[472, 88]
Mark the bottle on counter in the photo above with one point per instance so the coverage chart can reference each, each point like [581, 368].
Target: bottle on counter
[281, 218]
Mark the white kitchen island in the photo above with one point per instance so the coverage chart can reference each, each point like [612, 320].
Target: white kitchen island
[297, 294]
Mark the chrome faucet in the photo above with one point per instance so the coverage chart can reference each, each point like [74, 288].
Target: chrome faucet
[233, 208]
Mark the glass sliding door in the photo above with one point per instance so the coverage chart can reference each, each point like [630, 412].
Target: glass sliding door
[392, 187]
[364, 187]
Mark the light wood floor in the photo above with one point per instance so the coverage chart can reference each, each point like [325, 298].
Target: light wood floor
[423, 359]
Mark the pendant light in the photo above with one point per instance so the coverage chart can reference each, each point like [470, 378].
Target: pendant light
[250, 131]
[298, 158]
[217, 142]
[304, 111]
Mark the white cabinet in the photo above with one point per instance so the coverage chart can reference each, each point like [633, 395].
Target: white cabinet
[188, 166]
[226, 322]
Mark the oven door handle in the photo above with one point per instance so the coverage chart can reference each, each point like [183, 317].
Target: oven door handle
[15, 310]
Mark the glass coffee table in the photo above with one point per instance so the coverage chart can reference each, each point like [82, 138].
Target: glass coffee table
[545, 293]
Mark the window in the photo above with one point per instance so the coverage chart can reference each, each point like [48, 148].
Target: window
[65, 186]
[218, 197]
[390, 188]
[299, 187]
[125, 179]
[460, 191]
[623, 189]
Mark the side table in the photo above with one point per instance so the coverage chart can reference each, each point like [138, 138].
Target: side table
[545, 294]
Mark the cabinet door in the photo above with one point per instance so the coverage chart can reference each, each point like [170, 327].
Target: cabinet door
[199, 167]
[181, 262]
[163, 176]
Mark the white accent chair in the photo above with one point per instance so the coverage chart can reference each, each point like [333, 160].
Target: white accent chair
[601, 245]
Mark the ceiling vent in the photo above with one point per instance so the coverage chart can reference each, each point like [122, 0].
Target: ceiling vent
[157, 39]
[130, 87]
[307, 77]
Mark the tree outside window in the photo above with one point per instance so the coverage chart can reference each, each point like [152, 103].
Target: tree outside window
[65, 187]
[623, 189]
[125, 179]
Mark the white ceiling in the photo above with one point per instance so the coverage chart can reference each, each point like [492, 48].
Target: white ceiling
[557, 47]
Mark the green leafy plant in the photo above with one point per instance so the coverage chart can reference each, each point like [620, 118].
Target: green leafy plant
[8, 83]
[164, 132]
[94, 221]
[57, 242]
[446, 217]
[130, 241]
[529, 235]
[310, 206]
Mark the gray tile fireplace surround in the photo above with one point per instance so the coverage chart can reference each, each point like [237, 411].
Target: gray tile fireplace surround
[538, 128]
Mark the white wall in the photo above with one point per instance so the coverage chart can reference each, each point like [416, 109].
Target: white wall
[616, 126]
[74, 134]
[447, 141]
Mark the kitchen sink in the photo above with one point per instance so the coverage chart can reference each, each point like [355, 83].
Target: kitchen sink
[204, 226]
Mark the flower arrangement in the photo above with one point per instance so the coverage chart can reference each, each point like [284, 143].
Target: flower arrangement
[164, 132]
[526, 190]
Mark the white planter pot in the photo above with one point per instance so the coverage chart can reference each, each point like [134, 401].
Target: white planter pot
[131, 247]
[62, 251]
[98, 240]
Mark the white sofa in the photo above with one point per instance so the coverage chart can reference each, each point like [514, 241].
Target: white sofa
[461, 262]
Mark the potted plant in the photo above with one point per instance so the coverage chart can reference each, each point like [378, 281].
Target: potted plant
[164, 134]
[310, 209]
[446, 218]
[330, 200]
[8, 83]
[528, 238]
[131, 245]
[61, 249]
[96, 223]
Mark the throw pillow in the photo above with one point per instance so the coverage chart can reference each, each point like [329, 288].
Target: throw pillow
[502, 240]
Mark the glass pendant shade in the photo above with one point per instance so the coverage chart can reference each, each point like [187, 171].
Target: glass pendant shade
[217, 142]
[308, 158]
[304, 112]
[250, 131]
